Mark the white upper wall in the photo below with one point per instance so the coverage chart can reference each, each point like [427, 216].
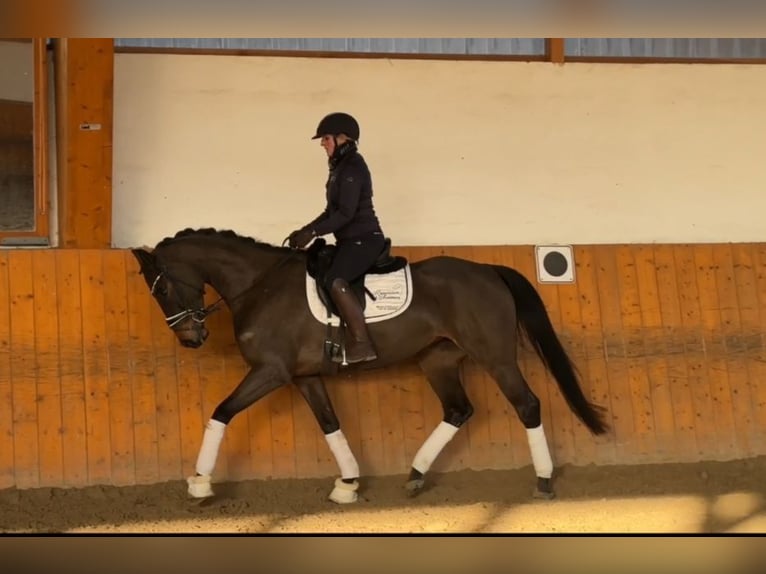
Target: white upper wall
[467, 153]
[17, 79]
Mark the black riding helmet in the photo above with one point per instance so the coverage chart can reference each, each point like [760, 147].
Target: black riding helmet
[338, 123]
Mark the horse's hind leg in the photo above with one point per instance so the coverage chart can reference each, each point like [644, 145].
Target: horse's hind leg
[441, 365]
[515, 388]
[315, 393]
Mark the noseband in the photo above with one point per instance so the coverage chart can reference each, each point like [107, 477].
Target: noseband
[198, 315]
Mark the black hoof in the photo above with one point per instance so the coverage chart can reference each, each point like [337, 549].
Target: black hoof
[414, 487]
[415, 483]
[544, 489]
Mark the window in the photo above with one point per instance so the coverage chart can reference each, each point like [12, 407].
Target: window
[412, 46]
[23, 142]
[666, 48]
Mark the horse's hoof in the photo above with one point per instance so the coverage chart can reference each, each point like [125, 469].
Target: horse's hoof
[199, 486]
[544, 489]
[344, 492]
[543, 495]
[414, 486]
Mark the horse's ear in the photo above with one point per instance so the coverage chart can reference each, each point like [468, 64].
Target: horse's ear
[145, 258]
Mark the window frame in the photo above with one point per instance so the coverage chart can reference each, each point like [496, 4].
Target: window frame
[40, 234]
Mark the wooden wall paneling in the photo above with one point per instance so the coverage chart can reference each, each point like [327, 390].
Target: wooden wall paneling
[191, 417]
[593, 365]
[391, 429]
[668, 337]
[749, 261]
[96, 371]
[74, 430]
[23, 375]
[694, 348]
[371, 460]
[614, 351]
[736, 351]
[638, 385]
[163, 348]
[7, 466]
[759, 360]
[571, 335]
[120, 389]
[735, 356]
[47, 361]
[261, 442]
[663, 445]
[280, 404]
[684, 443]
[141, 307]
[714, 349]
[412, 387]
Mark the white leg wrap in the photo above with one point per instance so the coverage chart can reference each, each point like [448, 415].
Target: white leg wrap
[433, 445]
[208, 452]
[338, 444]
[541, 456]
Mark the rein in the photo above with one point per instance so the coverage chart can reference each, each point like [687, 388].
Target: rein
[199, 315]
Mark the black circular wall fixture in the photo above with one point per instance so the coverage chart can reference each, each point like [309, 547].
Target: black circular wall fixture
[555, 263]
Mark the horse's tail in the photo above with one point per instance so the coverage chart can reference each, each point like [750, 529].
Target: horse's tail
[533, 319]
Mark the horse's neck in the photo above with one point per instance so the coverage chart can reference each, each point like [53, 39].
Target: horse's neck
[231, 273]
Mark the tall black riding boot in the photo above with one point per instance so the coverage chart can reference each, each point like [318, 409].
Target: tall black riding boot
[358, 343]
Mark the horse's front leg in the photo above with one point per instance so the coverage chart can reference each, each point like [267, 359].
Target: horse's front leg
[259, 382]
[315, 393]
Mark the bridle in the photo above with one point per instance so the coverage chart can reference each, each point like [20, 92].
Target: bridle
[200, 314]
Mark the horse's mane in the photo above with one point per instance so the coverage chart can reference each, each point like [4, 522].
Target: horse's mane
[222, 233]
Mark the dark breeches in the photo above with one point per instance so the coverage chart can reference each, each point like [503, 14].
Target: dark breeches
[353, 257]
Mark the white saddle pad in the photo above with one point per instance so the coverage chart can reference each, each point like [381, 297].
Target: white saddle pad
[392, 292]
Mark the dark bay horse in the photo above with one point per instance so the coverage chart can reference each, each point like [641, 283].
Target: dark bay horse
[457, 309]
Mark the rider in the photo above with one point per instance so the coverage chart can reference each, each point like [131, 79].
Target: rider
[350, 217]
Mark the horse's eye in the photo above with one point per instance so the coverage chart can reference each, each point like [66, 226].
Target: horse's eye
[162, 288]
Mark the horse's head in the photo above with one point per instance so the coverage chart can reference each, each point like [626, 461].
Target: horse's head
[179, 290]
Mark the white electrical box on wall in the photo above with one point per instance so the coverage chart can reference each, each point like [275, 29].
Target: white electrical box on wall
[555, 263]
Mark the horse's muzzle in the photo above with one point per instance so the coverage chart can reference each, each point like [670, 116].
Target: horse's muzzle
[196, 342]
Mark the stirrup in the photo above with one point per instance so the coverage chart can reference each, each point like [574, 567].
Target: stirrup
[343, 358]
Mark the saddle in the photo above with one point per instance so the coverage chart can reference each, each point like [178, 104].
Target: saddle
[320, 255]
